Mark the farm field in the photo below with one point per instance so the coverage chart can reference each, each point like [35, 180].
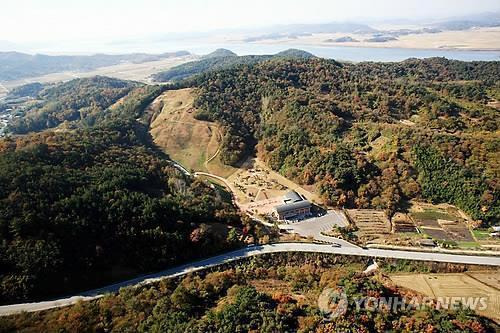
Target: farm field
[373, 225]
[443, 223]
[471, 284]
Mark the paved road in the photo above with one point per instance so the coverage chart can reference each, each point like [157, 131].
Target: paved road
[181, 168]
[224, 180]
[248, 252]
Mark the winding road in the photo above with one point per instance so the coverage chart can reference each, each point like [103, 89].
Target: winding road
[244, 253]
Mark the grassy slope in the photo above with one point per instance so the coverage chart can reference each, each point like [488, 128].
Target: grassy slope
[187, 140]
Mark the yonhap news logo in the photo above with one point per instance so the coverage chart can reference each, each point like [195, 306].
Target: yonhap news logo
[334, 303]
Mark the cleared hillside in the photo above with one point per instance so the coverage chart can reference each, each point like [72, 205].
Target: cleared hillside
[193, 143]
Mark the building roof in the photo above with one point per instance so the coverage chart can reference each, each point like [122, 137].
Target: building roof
[292, 206]
[292, 196]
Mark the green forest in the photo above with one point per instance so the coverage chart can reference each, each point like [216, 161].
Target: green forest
[367, 134]
[84, 208]
[86, 198]
[271, 293]
[222, 59]
[79, 100]
[97, 202]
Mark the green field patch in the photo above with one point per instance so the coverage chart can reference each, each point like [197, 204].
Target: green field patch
[433, 215]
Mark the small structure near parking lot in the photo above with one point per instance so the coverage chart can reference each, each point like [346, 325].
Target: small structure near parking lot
[293, 206]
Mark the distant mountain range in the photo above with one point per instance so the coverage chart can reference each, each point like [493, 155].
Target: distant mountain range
[333, 27]
[15, 65]
[220, 59]
[294, 31]
[472, 21]
[220, 53]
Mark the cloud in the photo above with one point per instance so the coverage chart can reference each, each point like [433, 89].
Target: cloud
[53, 20]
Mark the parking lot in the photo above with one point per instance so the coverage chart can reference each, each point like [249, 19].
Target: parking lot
[314, 226]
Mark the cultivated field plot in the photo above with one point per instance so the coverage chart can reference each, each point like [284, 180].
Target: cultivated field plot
[191, 142]
[441, 222]
[402, 223]
[474, 284]
[372, 224]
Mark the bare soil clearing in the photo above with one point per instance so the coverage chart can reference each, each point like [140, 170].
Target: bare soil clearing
[259, 188]
[442, 222]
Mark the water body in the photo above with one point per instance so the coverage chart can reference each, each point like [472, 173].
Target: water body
[355, 54]
[345, 53]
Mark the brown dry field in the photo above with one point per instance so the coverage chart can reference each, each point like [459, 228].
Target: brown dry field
[473, 39]
[470, 284]
[189, 141]
[372, 224]
[125, 71]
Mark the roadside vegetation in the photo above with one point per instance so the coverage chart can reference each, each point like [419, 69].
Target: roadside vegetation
[272, 293]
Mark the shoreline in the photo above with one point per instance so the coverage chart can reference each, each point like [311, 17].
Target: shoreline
[361, 45]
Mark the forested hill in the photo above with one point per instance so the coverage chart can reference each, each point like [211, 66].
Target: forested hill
[83, 208]
[15, 65]
[368, 134]
[95, 201]
[221, 59]
[220, 53]
[79, 103]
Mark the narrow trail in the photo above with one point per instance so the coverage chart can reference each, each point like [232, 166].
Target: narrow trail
[219, 138]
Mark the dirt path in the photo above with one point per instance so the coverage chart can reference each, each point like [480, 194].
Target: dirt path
[219, 138]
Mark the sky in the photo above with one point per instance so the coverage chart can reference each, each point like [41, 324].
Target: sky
[41, 21]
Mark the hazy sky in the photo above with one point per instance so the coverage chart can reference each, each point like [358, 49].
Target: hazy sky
[24, 21]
